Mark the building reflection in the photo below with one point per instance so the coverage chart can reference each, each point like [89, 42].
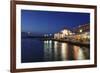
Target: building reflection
[78, 53]
[64, 51]
[47, 50]
[58, 51]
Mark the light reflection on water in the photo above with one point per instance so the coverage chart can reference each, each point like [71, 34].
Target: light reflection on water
[78, 53]
[58, 51]
[47, 50]
[64, 50]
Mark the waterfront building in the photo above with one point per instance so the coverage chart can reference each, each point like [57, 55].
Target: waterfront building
[62, 34]
[82, 33]
[82, 28]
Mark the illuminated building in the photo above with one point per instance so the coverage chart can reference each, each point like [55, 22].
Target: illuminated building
[63, 34]
[82, 32]
[82, 28]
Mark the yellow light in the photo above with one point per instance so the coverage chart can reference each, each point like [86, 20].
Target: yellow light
[80, 30]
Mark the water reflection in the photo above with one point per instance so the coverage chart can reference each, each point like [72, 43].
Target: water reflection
[58, 51]
[78, 53]
[64, 51]
[48, 50]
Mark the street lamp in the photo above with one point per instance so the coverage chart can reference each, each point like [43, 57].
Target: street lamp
[81, 30]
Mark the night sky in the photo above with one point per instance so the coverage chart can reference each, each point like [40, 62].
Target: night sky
[47, 22]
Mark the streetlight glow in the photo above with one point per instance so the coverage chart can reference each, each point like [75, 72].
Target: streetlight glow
[80, 30]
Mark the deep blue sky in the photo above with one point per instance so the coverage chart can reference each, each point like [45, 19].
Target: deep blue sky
[51, 21]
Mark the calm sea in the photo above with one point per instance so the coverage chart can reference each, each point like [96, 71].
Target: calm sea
[37, 50]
